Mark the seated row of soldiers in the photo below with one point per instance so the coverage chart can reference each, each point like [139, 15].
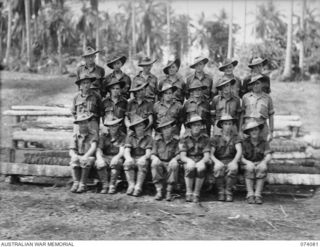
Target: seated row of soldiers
[129, 141]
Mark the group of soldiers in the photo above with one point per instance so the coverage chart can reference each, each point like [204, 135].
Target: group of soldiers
[195, 127]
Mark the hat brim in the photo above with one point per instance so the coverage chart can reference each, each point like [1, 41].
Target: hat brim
[146, 120]
[91, 79]
[91, 53]
[113, 122]
[83, 119]
[190, 123]
[205, 60]
[263, 62]
[223, 67]
[142, 64]
[165, 124]
[247, 130]
[258, 79]
[193, 88]
[231, 81]
[139, 88]
[176, 61]
[120, 83]
[123, 60]
[219, 123]
[173, 88]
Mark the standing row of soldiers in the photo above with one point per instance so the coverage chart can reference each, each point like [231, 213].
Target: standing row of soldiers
[226, 128]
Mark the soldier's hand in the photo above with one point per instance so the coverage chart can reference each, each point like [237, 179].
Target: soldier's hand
[263, 165]
[83, 159]
[75, 158]
[100, 163]
[249, 165]
[232, 167]
[218, 165]
[114, 161]
[270, 136]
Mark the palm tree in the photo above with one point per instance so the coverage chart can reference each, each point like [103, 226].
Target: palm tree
[288, 60]
[302, 37]
[230, 32]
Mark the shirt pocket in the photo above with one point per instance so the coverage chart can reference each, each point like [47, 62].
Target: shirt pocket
[263, 110]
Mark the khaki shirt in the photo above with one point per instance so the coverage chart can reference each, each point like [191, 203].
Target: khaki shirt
[116, 109]
[253, 105]
[174, 111]
[90, 103]
[123, 77]
[143, 110]
[138, 146]
[255, 153]
[225, 150]
[221, 105]
[165, 151]
[195, 147]
[109, 146]
[152, 88]
[206, 80]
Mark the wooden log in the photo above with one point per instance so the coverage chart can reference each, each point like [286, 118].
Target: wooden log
[284, 145]
[23, 169]
[291, 155]
[282, 133]
[282, 124]
[293, 178]
[295, 162]
[289, 168]
[280, 117]
[37, 108]
[313, 140]
[29, 124]
[7, 154]
[62, 112]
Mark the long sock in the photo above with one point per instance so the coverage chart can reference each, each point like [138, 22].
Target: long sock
[189, 185]
[259, 186]
[198, 186]
[249, 185]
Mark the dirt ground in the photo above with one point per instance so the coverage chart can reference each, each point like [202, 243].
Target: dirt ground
[29, 211]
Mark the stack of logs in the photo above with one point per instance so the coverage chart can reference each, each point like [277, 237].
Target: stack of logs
[44, 133]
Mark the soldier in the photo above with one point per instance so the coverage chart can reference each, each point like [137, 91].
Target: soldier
[152, 88]
[110, 154]
[197, 104]
[256, 156]
[139, 105]
[171, 71]
[258, 104]
[115, 104]
[228, 67]
[91, 69]
[256, 67]
[205, 79]
[226, 153]
[86, 101]
[115, 64]
[164, 159]
[82, 150]
[195, 154]
[167, 107]
[137, 154]
[225, 103]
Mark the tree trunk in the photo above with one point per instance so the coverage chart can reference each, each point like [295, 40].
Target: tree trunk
[302, 29]
[245, 22]
[84, 42]
[148, 46]
[169, 27]
[27, 9]
[23, 42]
[7, 58]
[95, 9]
[230, 32]
[60, 50]
[133, 26]
[288, 61]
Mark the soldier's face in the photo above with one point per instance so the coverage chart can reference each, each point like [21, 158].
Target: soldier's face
[141, 93]
[257, 87]
[166, 131]
[85, 86]
[196, 93]
[90, 59]
[147, 69]
[168, 95]
[140, 128]
[254, 132]
[229, 69]
[173, 69]
[257, 69]
[227, 126]
[199, 66]
[196, 128]
[117, 65]
[115, 90]
[226, 89]
[114, 129]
